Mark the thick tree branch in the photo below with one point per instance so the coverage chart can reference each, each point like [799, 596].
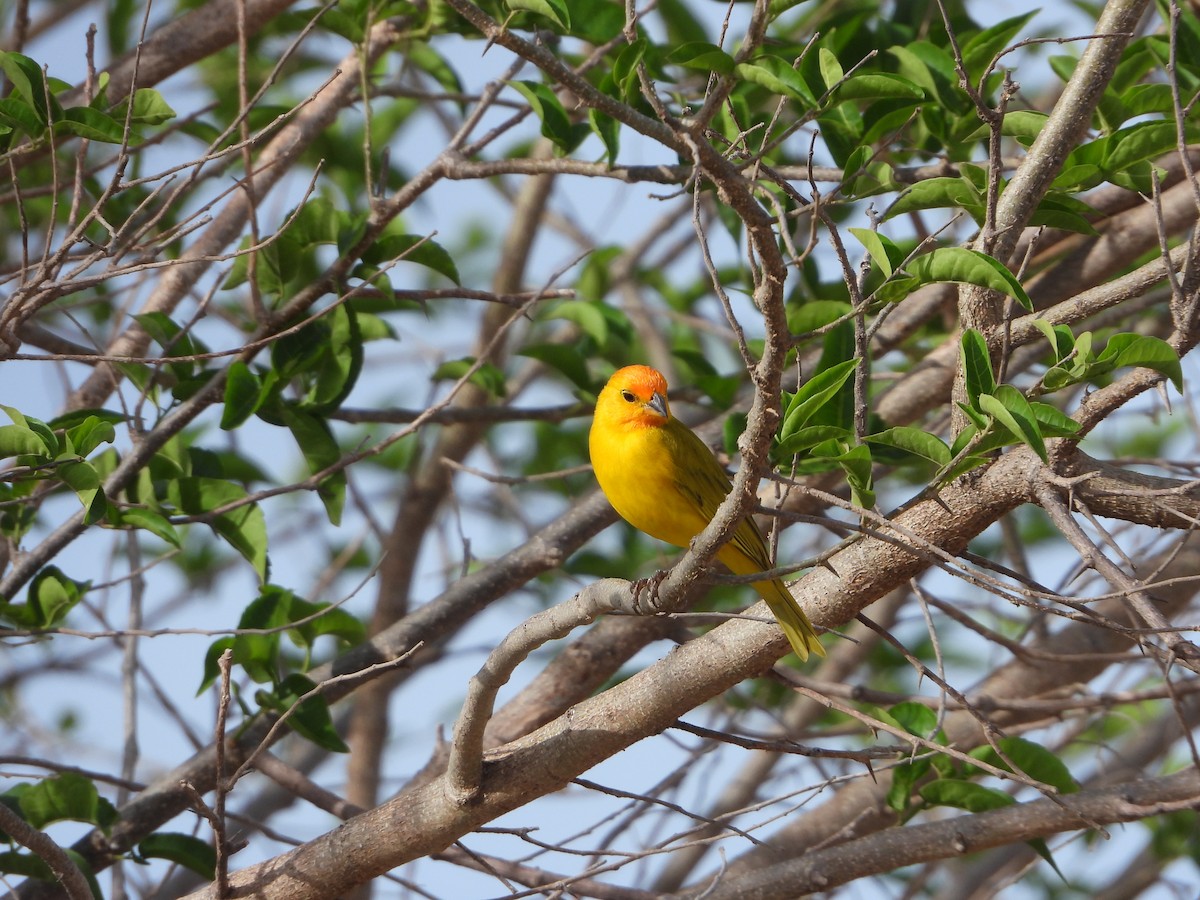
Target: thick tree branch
[1073, 655]
[822, 870]
[1119, 493]
[425, 819]
[1068, 122]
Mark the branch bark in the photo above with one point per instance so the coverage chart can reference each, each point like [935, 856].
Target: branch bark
[822, 870]
[425, 820]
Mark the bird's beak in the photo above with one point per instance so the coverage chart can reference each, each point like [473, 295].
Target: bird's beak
[658, 403]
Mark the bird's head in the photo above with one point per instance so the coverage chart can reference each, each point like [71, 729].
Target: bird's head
[635, 395]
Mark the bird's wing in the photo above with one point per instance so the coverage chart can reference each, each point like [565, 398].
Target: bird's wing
[704, 483]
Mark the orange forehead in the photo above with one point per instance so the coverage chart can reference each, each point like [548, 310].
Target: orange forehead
[642, 380]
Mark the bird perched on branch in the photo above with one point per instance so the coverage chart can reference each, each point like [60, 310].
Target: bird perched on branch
[662, 479]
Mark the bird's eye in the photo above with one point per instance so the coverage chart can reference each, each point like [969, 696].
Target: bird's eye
[627, 396]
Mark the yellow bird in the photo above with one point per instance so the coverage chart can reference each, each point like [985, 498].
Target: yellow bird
[663, 480]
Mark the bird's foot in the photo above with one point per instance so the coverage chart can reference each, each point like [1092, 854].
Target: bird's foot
[651, 585]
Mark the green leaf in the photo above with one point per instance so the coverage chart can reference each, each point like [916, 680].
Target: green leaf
[212, 669]
[588, 315]
[977, 363]
[915, 441]
[702, 56]
[487, 376]
[1146, 352]
[721, 389]
[814, 394]
[1075, 368]
[1078, 176]
[777, 8]
[20, 115]
[85, 122]
[413, 248]
[1059, 210]
[978, 420]
[777, 77]
[930, 66]
[321, 619]
[1174, 834]
[84, 480]
[319, 222]
[320, 449]
[866, 177]
[1018, 412]
[66, 797]
[50, 597]
[17, 513]
[1030, 758]
[937, 193]
[243, 528]
[884, 252]
[17, 440]
[1146, 99]
[915, 718]
[1123, 157]
[732, 430]
[50, 443]
[243, 395]
[149, 108]
[625, 83]
[856, 463]
[594, 281]
[173, 339]
[958, 264]
[146, 520]
[964, 795]
[879, 86]
[28, 82]
[1024, 125]
[556, 124]
[302, 353]
[324, 357]
[258, 654]
[886, 717]
[1053, 422]
[810, 436]
[1024, 429]
[183, 849]
[566, 359]
[1140, 143]
[597, 21]
[372, 327]
[815, 314]
[904, 779]
[981, 48]
[831, 69]
[557, 11]
[341, 365]
[1060, 338]
[89, 434]
[311, 718]
[428, 60]
[69, 420]
[608, 130]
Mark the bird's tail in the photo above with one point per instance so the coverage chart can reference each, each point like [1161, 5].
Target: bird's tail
[791, 617]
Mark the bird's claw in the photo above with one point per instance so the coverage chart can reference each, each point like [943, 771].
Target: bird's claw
[652, 584]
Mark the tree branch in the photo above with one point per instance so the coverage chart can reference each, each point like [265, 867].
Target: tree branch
[822, 870]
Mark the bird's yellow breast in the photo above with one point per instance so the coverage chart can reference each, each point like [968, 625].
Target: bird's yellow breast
[637, 472]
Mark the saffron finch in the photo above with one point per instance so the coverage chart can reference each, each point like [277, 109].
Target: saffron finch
[662, 479]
